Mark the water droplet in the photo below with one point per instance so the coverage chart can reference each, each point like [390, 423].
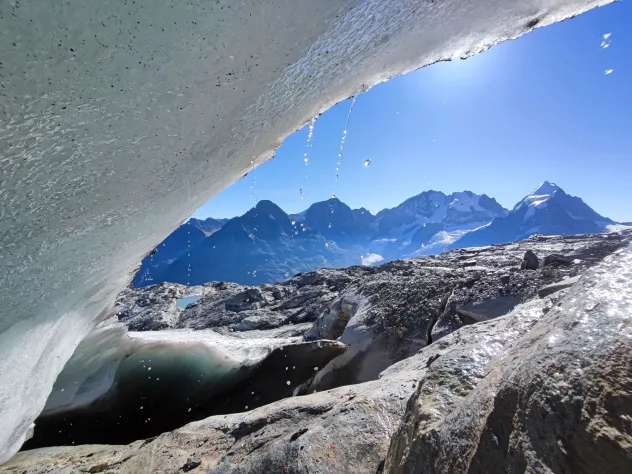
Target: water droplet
[329, 226]
[293, 222]
[288, 382]
[246, 407]
[308, 142]
[367, 162]
[607, 35]
[607, 72]
[315, 368]
[333, 195]
[326, 244]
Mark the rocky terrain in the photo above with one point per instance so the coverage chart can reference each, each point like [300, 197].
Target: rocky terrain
[507, 358]
[384, 313]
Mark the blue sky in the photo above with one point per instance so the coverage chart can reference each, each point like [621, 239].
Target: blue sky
[537, 108]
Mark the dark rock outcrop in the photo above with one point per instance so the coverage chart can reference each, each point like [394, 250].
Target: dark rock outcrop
[557, 260]
[530, 261]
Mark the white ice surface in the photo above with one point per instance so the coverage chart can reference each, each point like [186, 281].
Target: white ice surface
[119, 119]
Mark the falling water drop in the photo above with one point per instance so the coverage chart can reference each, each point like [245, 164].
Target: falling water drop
[367, 162]
[333, 195]
[308, 143]
[607, 72]
[344, 137]
[293, 222]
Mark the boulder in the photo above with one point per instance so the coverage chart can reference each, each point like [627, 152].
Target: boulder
[529, 261]
[557, 260]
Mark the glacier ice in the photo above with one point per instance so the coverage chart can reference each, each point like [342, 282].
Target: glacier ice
[117, 380]
[112, 111]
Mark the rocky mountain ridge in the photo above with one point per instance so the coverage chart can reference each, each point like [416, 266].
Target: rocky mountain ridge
[266, 245]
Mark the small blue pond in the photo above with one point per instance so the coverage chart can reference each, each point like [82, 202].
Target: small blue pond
[183, 302]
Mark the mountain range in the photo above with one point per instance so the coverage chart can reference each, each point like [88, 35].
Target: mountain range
[266, 245]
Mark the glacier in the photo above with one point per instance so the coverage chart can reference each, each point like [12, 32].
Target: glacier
[119, 119]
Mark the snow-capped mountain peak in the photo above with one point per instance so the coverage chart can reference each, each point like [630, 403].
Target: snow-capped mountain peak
[547, 210]
[539, 197]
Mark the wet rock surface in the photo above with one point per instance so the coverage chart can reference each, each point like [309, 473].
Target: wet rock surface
[557, 401]
[464, 364]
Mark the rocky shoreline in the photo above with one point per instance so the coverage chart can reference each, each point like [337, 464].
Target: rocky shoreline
[475, 360]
